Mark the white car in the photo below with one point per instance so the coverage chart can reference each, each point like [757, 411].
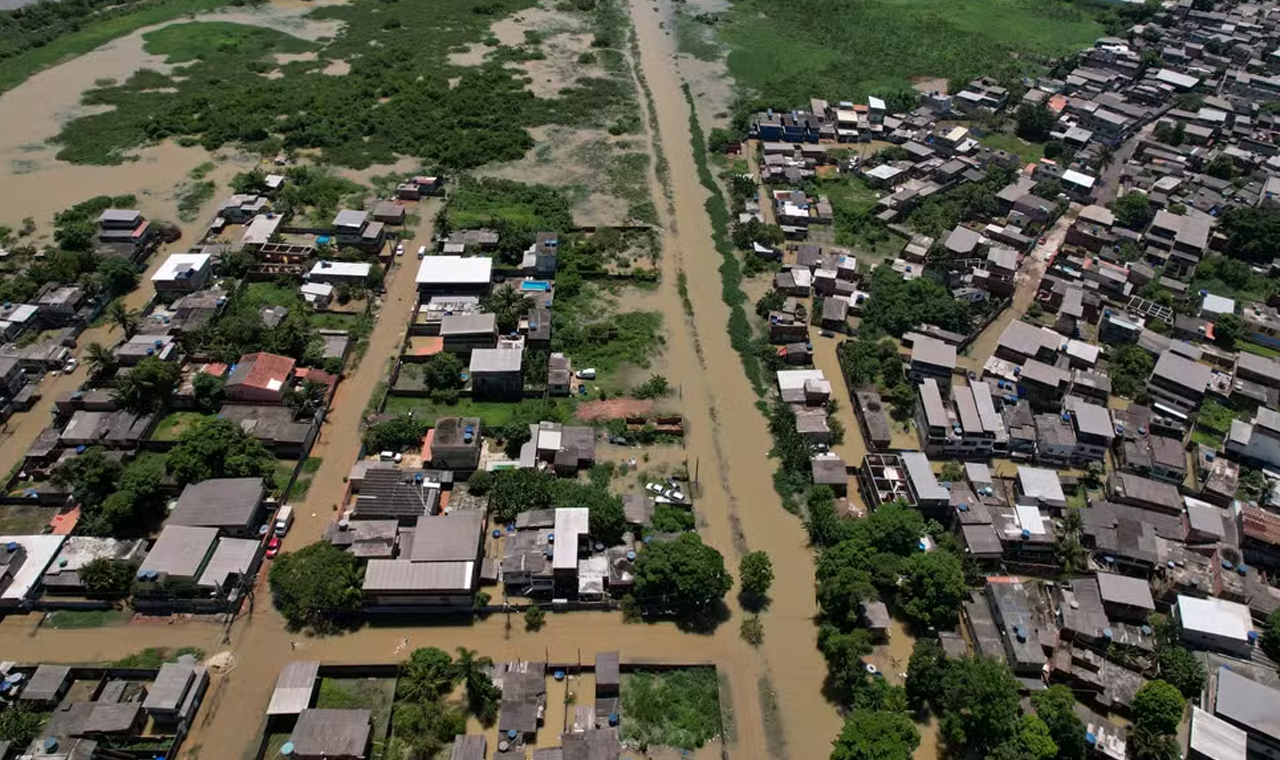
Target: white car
[422, 251]
[400, 249]
[587, 374]
[71, 365]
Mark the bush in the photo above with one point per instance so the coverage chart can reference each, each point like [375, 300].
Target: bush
[534, 618]
[756, 573]
[751, 630]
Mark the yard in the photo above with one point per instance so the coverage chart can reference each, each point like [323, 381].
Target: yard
[69, 619]
[1030, 153]
[676, 708]
[21, 520]
[492, 414]
[174, 424]
[373, 694]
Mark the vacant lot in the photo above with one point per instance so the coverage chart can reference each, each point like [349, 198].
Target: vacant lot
[790, 52]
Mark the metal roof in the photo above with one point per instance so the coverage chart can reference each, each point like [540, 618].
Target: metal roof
[1248, 703]
[181, 550]
[219, 503]
[468, 747]
[331, 733]
[294, 687]
[571, 524]
[607, 666]
[1216, 739]
[1126, 590]
[395, 575]
[232, 556]
[46, 682]
[496, 360]
[170, 687]
[455, 270]
[454, 537]
[1216, 617]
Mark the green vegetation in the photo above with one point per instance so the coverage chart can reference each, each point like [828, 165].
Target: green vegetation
[219, 448]
[517, 211]
[1130, 368]
[668, 518]
[1157, 710]
[791, 52]
[678, 708]
[311, 584]
[1270, 641]
[755, 571]
[20, 724]
[401, 95]
[1253, 234]
[373, 694]
[152, 658]
[45, 34]
[514, 491]
[876, 735]
[740, 333]
[682, 577]
[114, 499]
[1028, 152]
[940, 213]
[73, 619]
[494, 415]
[172, 425]
[898, 305]
[398, 434]
[534, 618]
[193, 198]
[694, 36]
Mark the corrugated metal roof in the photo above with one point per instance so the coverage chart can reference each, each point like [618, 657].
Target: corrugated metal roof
[170, 687]
[397, 575]
[294, 687]
[454, 537]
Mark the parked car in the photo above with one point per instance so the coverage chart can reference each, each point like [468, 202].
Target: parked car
[71, 365]
[587, 374]
[273, 547]
[422, 251]
[400, 249]
[827, 334]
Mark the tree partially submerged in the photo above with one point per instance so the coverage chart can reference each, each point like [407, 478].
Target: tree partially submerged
[315, 585]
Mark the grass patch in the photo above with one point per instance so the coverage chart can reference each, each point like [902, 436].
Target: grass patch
[1030, 153]
[731, 269]
[791, 52]
[677, 708]
[372, 694]
[70, 619]
[1206, 437]
[96, 30]
[1254, 348]
[152, 658]
[1079, 499]
[193, 198]
[492, 414]
[274, 743]
[174, 424]
[23, 520]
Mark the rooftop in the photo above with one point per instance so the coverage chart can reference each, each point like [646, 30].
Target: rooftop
[331, 733]
[455, 270]
[219, 503]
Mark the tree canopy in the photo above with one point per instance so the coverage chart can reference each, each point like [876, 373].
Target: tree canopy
[682, 576]
[313, 582]
[148, 386]
[755, 570]
[933, 589]
[897, 305]
[1158, 707]
[396, 434]
[1253, 233]
[876, 735]
[1035, 121]
[1133, 210]
[219, 448]
[979, 703]
[1054, 706]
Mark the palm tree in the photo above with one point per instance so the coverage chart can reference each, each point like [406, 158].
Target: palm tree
[508, 305]
[121, 317]
[482, 694]
[1105, 157]
[469, 665]
[100, 359]
[1070, 552]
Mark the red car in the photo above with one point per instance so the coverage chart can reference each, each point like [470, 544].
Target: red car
[273, 547]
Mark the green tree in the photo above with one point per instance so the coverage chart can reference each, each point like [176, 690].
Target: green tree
[756, 573]
[823, 524]
[655, 387]
[397, 434]
[122, 318]
[19, 724]
[979, 701]
[1145, 744]
[534, 618]
[219, 448]
[1130, 368]
[427, 675]
[480, 482]
[1055, 707]
[933, 589]
[1227, 329]
[607, 519]
[148, 386]
[92, 476]
[1181, 668]
[878, 735]
[103, 575]
[482, 695]
[100, 360]
[115, 276]
[1035, 121]
[443, 372]
[209, 391]
[1253, 233]
[953, 472]
[423, 728]
[1271, 636]
[682, 576]
[507, 305]
[1221, 166]
[1158, 707]
[1133, 210]
[311, 584]
[924, 672]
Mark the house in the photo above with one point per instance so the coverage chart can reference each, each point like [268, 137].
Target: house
[1094, 430]
[261, 378]
[559, 375]
[496, 373]
[875, 616]
[1178, 382]
[339, 272]
[182, 273]
[829, 470]
[1011, 609]
[468, 747]
[1215, 624]
[1257, 441]
[389, 212]
[179, 553]
[317, 294]
[47, 686]
[456, 275]
[1127, 488]
[463, 333]
[931, 358]
[231, 505]
[331, 735]
[146, 346]
[907, 475]
[1125, 597]
[872, 419]
[542, 257]
[1212, 738]
[62, 575]
[396, 494]
[353, 229]
[568, 448]
[1250, 706]
[1259, 532]
[440, 566]
[176, 692]
[124, 231]
[1040, 487]
[835, 314]
[455, 444]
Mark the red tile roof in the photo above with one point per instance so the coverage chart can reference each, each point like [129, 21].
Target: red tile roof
[1260, 525]
[261, 369]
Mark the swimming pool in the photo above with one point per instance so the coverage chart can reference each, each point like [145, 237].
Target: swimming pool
[535, 285]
